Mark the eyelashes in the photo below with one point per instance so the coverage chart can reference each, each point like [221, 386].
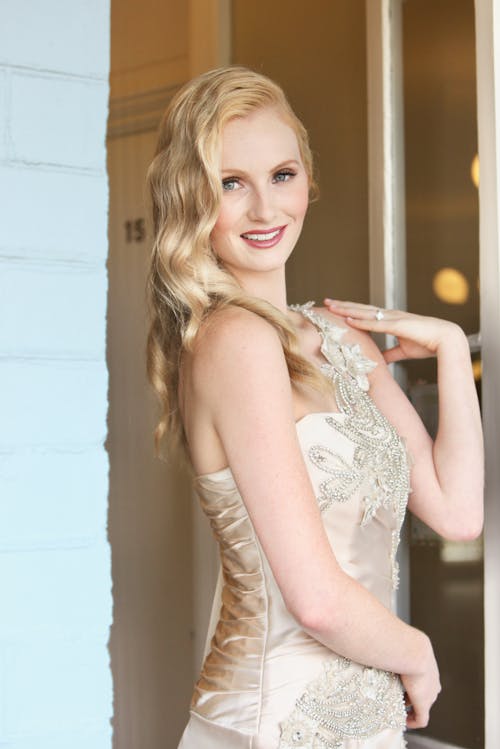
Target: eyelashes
[286, 173]
[283, 175]
[226, 183]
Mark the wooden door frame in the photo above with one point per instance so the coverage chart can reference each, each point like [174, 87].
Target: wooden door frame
[386, 191]
[488, 102]
[386, 181]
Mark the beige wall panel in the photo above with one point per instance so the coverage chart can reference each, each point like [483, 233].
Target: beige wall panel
[316, 51]
[149, 502]
[149, 45]
[209, 35]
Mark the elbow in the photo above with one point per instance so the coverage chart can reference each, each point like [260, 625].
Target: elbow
[320, 607]
[316, 617]
[302, 611]
[461, 534]
[467, 533]
[463, 517]
[310, 619]
[469, 529]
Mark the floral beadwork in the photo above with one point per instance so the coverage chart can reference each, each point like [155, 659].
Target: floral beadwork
[345, 358]
[346, 701]
[380, 466]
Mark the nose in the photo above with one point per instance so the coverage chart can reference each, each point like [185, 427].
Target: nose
[261, 206]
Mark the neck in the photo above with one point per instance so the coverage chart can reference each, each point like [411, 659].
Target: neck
[270, 286]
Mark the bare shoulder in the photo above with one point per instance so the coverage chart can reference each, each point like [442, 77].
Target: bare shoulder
[231, 343]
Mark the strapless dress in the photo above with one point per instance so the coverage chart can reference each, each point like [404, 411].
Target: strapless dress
[265, 683]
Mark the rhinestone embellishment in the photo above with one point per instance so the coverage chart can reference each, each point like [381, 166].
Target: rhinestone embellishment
[380, 468]
[346, 701]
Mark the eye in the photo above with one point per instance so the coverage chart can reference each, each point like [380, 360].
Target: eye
[230, 184]
[284, 175]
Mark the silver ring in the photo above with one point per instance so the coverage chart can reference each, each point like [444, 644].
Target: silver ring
[379, 314]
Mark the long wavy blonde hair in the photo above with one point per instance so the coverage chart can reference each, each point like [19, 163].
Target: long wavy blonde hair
[186, 282]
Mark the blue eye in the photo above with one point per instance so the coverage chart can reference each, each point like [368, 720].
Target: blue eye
[283, 175]
[228, 184]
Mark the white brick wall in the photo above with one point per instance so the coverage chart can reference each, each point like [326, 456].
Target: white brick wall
[50, 114]
[55, 567]
[66, 219]
[56, 35]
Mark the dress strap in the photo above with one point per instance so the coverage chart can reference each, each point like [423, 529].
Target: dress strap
[320, 322]
[344, 360]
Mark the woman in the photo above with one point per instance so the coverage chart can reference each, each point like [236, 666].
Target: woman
[299, 438]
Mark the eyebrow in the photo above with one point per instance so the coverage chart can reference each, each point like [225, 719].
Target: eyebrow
[288, 162]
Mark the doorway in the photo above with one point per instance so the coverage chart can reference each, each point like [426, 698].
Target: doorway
[164, 559]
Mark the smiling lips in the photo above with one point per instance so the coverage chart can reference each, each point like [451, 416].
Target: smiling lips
[264, 239]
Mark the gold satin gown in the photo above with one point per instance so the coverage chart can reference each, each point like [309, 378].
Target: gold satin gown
[265, 683]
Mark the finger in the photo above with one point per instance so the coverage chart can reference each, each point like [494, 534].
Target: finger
[388, 317]
[349, 309]
[371, 324]
[342, 305]
[358, 310]
[417, 719]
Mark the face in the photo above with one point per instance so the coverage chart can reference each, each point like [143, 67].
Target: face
[265, 194]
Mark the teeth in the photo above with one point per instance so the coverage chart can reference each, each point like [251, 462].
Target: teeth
[261, 237]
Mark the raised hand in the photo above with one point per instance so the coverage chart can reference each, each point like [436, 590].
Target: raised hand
[419, 336]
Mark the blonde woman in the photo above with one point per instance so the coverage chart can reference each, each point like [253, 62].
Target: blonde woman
[298, 436]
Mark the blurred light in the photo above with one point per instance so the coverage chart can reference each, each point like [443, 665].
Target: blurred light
[450, 286]
[474, 170]
[477, 369]
[462, 551]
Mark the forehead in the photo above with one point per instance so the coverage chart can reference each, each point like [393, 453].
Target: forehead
[260, 136]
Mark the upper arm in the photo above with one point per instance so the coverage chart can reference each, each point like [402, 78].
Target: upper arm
[246, 383]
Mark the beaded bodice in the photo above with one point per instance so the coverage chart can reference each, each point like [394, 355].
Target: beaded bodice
[380, 468]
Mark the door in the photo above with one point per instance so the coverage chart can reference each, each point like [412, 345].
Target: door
[423, 65]
[442, 279]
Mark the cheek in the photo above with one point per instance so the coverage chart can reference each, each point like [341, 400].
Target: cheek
[223, 225]
[299, 200]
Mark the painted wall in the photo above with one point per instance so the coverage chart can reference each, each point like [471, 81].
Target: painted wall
[149, 45]
[316, 51]
[55, 576]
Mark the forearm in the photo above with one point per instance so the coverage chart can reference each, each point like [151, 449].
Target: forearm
[458, 447]
[354, 624]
